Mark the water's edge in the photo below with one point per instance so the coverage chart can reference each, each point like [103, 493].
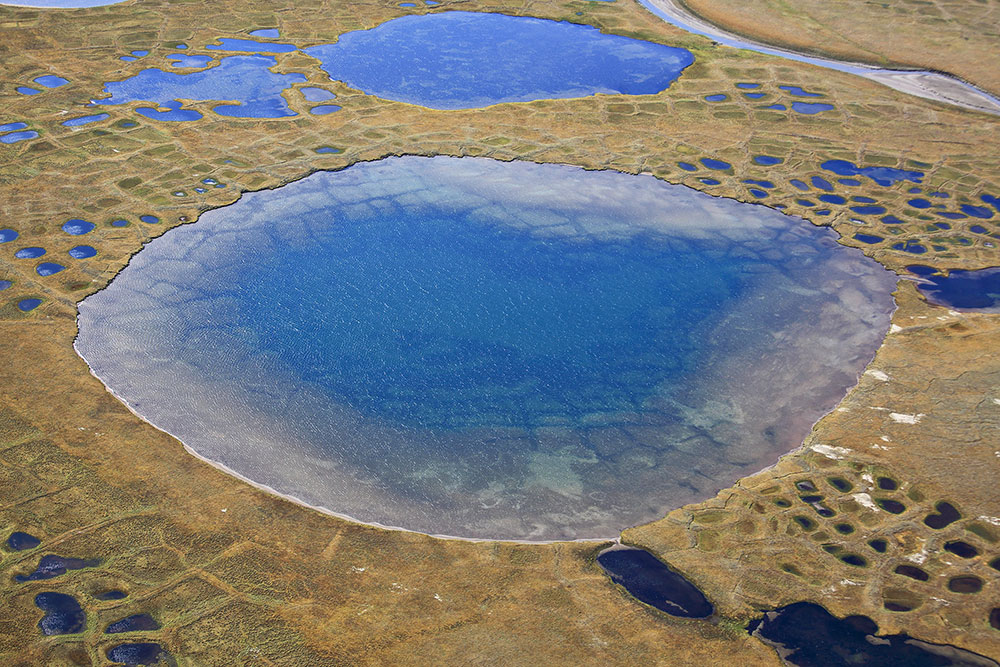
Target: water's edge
[324, 510]
[937, 86]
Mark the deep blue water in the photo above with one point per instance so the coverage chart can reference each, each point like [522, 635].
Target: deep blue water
[19, 541]
[77, 227]
[649, 580]
[136, 653]
[63, 614]
[972, 290]
[14, 137]
[27, 305]
[7, 235]
[10, 127]
[485, 348]
[51, 565]
[809, 636]
[459, 60]
[82, 251]
[31, 252]
[133, 623]
[882, 175]
[246, 80]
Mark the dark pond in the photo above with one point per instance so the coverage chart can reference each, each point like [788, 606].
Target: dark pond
[138, 653]
[807, 635]
[650, 580]
[52, 566]
[19, 541]
[134, 623]
[63, 614]
[964, 290]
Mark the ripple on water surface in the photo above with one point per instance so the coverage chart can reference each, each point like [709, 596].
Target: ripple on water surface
[455, 60]
[489, 349]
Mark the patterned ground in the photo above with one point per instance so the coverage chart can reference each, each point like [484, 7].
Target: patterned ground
[943, 35]
[234, 576]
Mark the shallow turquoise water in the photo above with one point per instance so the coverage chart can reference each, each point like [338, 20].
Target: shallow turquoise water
[488, 349]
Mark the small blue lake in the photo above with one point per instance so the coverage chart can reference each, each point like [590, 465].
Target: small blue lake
[488, 349]
[461, 60]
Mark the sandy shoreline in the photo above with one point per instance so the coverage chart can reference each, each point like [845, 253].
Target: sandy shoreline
[920, 83]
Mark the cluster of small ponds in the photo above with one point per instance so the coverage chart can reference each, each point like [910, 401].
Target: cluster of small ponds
[805, 108]
[473, 69]
[805, 634]
[64, 615]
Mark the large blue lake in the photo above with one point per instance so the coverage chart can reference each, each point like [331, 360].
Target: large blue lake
[487, 349]
[459, 60]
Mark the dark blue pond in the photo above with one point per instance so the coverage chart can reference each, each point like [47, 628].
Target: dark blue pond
[51, 566]
[246, 80]
[140, 653]
[63, 614]
[133, 623]
[19, 541]
[460, 60]
[971, 290]
[767, 160]
[716, 98]
[27, 305]
[77, 227]
[10, 127]
[82, 252]
[49, 268]
[25, 90]
[485, 348]
[807, 635]
[650, 580]
[5, 284]
[881, 175]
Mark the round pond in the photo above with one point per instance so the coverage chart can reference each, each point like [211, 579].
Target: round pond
[488, 349]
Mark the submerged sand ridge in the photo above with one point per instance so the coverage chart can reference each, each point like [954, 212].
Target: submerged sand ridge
[352, 420]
